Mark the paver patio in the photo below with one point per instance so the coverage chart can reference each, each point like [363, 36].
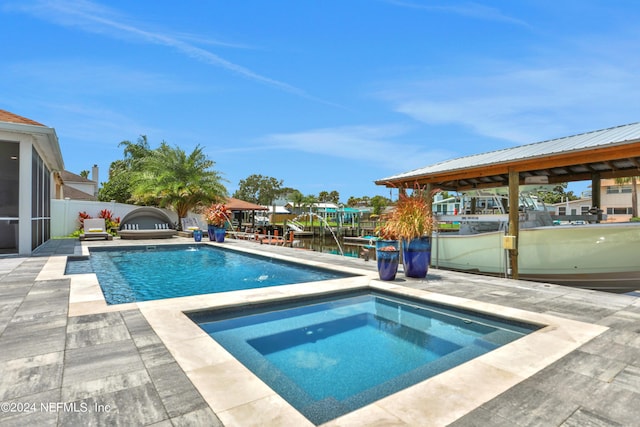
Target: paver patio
[112, 368]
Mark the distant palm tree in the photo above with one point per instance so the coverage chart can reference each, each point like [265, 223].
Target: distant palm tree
[634, 192]
[297, 199]
[309, 201]
[178, 181]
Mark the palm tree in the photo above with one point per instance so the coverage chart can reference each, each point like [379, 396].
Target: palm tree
[178, 181]
[134, 152]
[297, 198]
[119, 185]
[634, 192]
[309, 201]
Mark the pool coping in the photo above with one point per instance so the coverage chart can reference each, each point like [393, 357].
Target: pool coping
[240, 398]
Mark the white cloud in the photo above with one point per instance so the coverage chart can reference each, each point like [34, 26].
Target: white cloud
[87, 124]
[470, 10]
[556, 84]
[523, 105]
[74, 76]
[94, 18]
[375, 144]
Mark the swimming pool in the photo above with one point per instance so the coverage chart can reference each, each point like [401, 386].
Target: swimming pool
[144, 273]
[328, 356]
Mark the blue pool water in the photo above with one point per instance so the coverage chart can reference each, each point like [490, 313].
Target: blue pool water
[78, 265]
[146, 273]
[330, 357]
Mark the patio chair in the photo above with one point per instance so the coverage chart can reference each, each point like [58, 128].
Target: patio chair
[189, 224]
[95, 228]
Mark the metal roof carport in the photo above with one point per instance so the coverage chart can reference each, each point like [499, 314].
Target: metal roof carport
[606, 153]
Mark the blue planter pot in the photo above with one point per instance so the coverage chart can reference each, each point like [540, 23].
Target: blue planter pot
[219, 233]
[388, 262]
[416, 254]
[216, 234]
[197, 235]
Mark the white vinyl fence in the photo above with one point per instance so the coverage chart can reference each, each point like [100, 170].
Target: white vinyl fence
[64, 213]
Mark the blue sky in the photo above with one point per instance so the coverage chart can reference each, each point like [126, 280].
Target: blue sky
[324, 95]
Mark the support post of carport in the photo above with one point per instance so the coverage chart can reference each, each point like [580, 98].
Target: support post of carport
[595, 196]
[514, 219]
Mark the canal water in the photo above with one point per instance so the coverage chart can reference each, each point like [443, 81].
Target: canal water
[327, 244]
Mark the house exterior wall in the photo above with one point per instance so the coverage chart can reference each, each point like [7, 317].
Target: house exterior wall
[85, 187]
[573, 207]
[24, 206]
[38, 159]
[616, 200]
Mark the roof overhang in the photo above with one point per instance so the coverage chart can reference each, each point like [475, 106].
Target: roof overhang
[612, 159]
[241, 205]
[45, 139]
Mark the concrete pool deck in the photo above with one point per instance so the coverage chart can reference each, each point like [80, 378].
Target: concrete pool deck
[66, 358]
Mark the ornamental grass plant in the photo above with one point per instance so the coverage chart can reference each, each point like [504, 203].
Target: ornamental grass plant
[385, 233]
[412, 216]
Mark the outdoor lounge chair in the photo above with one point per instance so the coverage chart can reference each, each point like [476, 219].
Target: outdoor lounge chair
[95, 228]
[146, 223]
[189, 224]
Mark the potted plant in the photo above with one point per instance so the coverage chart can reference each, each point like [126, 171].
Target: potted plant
[387, 253]
[412, 221]
[386, 236]
[217, 215]
[388, 259]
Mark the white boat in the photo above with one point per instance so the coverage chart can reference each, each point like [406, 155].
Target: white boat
[366, 241]
[595, 256]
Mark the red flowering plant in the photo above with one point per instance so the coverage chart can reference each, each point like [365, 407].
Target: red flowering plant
[81, 217]
[217, 215]
[111, 223]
